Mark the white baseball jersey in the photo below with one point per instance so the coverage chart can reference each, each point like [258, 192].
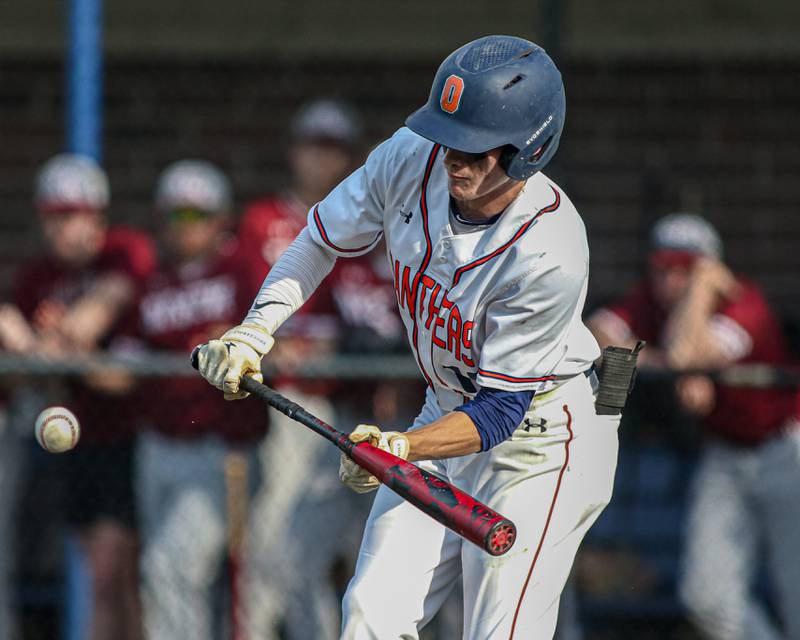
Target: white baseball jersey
[499, 306]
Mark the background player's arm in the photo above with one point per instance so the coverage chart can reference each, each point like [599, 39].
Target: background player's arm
[91, 317]
[696, 393]
[612, 331]
[15, 333]
[80, 326]
[689, 339]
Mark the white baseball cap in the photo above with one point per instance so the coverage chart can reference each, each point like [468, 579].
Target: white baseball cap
[71, 182]
[326, 120]
[194, 184]
[686, 235]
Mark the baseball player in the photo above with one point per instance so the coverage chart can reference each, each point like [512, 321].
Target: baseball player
[76, 298]
[697, 314]
[201, 285]
[490, 264]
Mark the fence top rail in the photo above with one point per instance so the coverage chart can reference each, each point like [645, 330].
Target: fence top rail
[351, 367]
[345, 367]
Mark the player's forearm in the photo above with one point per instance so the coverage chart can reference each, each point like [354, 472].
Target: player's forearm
[94, 314]
[688, 341]
[604, 332]
[15, 332]
[290, 282]
[451, 435]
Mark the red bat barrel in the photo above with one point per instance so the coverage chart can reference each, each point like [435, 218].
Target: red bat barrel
[442, 501]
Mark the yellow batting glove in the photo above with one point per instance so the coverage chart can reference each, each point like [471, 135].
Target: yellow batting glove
[358, 479]
[237, 353]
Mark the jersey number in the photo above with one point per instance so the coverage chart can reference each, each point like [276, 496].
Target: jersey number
[451, 94]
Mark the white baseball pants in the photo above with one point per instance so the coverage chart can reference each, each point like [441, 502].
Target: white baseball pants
[744, 504]
[552, 484]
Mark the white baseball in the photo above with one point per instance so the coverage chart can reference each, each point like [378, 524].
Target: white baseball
[57, 429]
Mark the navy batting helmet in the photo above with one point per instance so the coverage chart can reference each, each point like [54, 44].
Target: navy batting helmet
[496, 91]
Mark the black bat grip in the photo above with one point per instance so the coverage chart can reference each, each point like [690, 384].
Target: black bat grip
[281, 403]
[287, 407]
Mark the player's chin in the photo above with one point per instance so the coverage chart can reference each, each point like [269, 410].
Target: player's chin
[460, 189]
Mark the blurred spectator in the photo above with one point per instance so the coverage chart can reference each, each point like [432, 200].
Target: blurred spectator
[324, 148]
[72, 300]
[362, 292]
[200, 288]
[696, 314]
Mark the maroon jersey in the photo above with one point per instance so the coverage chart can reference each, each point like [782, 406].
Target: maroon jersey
[43, 281]
[268, 227]
[363, 295]
[182, 307]
[741, 416]
[124, 251]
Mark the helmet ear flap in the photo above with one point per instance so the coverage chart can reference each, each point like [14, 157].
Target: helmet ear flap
[507, 156]
[523, 164]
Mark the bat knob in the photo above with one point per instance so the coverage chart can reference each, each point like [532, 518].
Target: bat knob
[195, 357]
[501, 537]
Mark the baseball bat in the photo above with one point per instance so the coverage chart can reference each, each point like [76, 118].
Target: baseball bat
[445, 503]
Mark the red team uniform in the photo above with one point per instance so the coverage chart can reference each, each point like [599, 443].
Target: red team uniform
[180, 308]
[268, 226]
[743, 506]
[100, 469]
[748, 326]
[362, 292]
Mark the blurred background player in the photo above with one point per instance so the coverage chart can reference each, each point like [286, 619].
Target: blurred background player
[324, 144]
[72, 300]
[696, 314]
[201, 285]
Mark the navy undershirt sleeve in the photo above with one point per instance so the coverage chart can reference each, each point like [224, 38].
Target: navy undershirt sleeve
[496, 413]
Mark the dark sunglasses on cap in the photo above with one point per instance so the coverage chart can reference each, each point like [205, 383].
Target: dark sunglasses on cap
[185, 215]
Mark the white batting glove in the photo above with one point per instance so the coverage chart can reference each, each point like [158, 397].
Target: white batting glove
[237, 353]
[358, 479]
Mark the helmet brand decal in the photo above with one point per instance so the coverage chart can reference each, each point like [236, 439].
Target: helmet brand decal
[451, 94]
[540, 129]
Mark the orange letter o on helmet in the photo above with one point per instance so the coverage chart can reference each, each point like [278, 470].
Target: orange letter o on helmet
[451, 94]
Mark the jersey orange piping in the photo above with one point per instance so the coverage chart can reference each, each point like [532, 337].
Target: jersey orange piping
[520, 232]
[326, 240]
[508, 378]
[423, 205]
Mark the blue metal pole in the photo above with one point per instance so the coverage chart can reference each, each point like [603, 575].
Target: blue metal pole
[85, 78]
[84, 75]
[77, 611]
